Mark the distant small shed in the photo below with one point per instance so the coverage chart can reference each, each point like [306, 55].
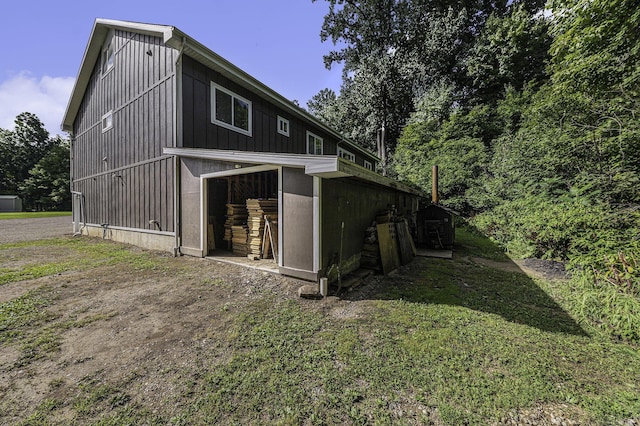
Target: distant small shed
[435, 226]
[10, 203]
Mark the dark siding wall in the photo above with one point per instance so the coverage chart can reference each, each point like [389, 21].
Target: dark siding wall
[122, 173]
[356, 204]
[200, 132]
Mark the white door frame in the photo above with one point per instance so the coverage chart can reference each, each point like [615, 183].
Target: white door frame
[204, 201]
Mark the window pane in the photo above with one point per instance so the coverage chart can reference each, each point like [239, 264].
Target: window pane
[223, 107]
[241, 114]
[110, 56]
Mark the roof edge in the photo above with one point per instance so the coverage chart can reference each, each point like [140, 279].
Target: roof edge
[175, 38]
[92, 51]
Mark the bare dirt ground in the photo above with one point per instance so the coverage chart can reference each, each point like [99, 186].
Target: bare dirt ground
[13, 230]
[146, 328]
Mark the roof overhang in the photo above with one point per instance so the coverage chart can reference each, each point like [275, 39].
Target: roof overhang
[324, 166]
[174, 38]
[99, 32]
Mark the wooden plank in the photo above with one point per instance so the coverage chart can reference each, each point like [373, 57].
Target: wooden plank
[406, 254]
[387, 239]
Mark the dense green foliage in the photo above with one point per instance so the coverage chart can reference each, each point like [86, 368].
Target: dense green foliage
[34, 165]
[532, 116]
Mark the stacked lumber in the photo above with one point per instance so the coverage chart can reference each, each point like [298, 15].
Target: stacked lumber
[257, 209]
[371, 256]
[385, 216]
[239, 239]
[370, 249]
[388, 243]
[236, 216]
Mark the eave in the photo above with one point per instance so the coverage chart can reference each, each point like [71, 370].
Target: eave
[324, 166]
[174, 38]
[99, 32]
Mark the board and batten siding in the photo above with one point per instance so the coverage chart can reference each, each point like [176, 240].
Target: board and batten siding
[200, 132]
[126, 180]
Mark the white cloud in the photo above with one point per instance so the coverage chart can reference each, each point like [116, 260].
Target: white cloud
[46, 97]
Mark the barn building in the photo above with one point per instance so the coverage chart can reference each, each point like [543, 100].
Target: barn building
[166, 134]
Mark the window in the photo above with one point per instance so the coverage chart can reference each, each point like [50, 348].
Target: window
[368, 165]
[108, 55]
[343, 153]
[230, 110]
[314, 144]
[283, 126]
[107, 121]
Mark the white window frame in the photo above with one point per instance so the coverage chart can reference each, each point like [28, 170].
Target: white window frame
[343, 153]
[368, 165]
[216, 87]
[108, 57]
[316, 139]
[283, 126]
[107, 121]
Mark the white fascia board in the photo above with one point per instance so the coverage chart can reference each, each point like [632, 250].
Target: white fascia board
[250, 157]
[351, 169]
[163, 31]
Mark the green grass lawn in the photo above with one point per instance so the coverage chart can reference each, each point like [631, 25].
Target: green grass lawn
[440, 342]
[29, 215]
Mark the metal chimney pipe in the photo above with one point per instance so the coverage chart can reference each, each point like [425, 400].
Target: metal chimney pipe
[434, 185]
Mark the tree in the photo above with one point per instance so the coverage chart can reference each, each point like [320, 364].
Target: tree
[21, 149]
[47, 187]
[511, 52]
[395, 51]
[323, 105]
[596, 47]
[34, 165]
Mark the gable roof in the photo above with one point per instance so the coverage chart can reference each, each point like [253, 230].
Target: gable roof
[173, 37]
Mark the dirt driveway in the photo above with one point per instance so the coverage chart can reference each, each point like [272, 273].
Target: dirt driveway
[12, 230]
[114, 314]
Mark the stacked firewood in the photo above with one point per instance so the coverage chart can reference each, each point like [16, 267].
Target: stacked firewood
[236, 216]
[240, 239]
[370, 249]
[257, 210]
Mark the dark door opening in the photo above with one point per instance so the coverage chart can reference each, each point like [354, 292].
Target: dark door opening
[227, 198]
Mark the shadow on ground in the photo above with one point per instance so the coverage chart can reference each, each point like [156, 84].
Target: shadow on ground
[478, 278]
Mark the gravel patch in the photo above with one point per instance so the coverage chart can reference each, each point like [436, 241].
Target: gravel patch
[14, 230]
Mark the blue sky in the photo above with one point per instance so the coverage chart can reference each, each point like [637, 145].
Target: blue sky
[43, 41]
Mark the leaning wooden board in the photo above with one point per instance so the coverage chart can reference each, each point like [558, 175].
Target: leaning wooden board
[388, 240]
[405, 243]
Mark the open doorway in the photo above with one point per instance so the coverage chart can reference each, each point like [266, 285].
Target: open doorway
[227, 208]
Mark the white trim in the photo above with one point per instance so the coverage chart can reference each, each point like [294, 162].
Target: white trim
[240, 171]
[347, 155]
[102, 121]
[124, 228]
[317, 138]
[317, 223]
[283, 122]
[369, 163]
[231, 126]
[203, 215]
[324, 166]
[280, 219]
[104, 56]
[251, 157]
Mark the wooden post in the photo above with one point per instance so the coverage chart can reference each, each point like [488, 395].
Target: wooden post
[434, 185]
